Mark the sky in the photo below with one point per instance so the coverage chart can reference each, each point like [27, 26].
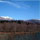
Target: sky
[20, 10]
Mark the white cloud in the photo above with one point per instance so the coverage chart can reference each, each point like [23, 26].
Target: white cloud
[25, 0]
[15, 5]
[11, 3]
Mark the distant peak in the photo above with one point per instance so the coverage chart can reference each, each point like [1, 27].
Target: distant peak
[35, 19]
[5, 18]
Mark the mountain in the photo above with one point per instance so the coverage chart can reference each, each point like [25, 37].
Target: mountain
[34, 21]
[5, 18]
[8, 24]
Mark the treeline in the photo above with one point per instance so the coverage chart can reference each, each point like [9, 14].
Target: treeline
[18, 26]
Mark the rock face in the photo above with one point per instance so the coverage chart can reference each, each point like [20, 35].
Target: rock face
[19, 26]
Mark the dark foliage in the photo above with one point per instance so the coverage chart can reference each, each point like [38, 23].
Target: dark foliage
[18, 26]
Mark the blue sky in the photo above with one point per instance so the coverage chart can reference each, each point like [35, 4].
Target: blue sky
[20, 10]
